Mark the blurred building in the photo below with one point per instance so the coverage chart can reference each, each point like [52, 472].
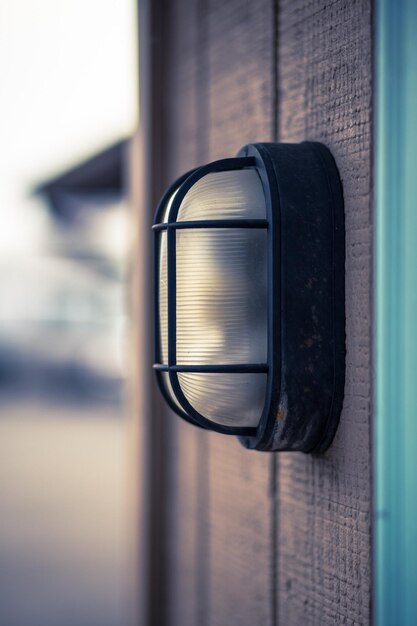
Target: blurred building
[62, 383]
[87, 207]
[63, 312]
[68, 97]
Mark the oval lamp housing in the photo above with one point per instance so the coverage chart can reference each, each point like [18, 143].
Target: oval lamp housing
[249, 296]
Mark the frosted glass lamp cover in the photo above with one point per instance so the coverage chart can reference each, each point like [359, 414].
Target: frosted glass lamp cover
[249, 296]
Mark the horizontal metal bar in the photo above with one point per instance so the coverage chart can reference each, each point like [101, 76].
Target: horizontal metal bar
[237, 223]
[247, 368]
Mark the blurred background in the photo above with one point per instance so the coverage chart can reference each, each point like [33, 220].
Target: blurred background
[68, 105]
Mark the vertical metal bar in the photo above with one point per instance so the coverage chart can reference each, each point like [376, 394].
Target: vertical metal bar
[172, 295]
[157, 238]
[395, 345]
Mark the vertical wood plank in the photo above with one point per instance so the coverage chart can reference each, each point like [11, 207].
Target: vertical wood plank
[149, 441]
[324, 502]
[239, 36]
[218, 96]
[187, 489]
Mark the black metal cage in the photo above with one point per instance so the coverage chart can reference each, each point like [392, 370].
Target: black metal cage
[304, 388]
[180, 189]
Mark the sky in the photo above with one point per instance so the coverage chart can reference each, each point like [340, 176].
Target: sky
[68, 88]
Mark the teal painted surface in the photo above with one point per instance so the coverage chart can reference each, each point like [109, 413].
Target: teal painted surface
[395, 413]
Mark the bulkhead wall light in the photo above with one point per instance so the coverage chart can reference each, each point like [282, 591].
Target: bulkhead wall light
[249, 296]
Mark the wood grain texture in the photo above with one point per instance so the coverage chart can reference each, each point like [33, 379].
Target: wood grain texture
[187, 479]
[219, 532]
[324, 502]
[239, 35]
[254, 538]
[240, 70]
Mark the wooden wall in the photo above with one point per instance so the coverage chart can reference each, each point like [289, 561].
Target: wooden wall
[258, 538]
[324, 502]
